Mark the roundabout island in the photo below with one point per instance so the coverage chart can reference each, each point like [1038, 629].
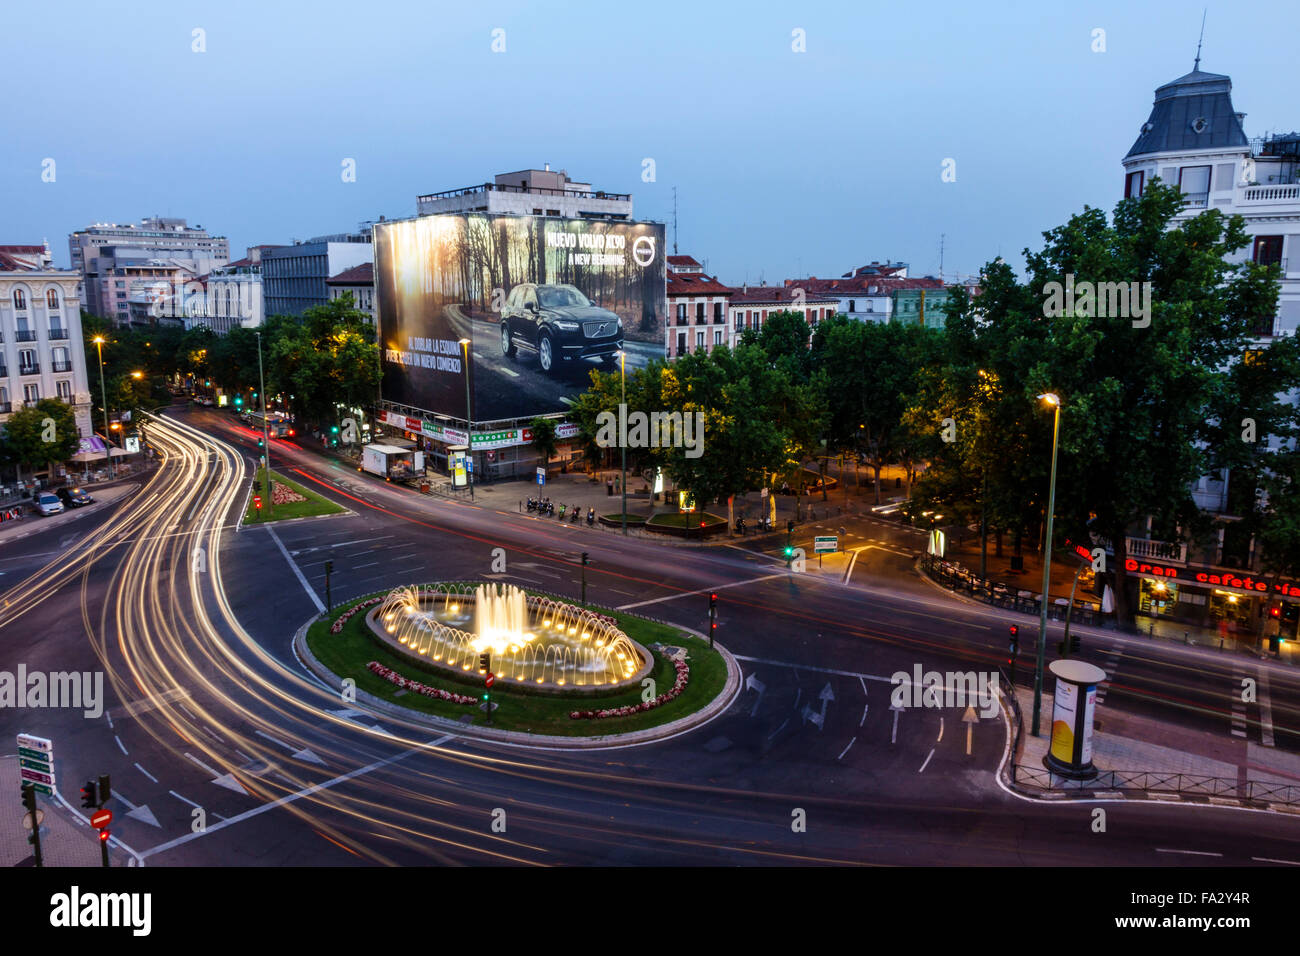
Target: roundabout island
[556, 672]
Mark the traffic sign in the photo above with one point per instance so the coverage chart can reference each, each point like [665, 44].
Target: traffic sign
[541, 475]
[101, 818]
[489, 680]
[27, 819]
[826, 542]
[39, 788]
[36, 762]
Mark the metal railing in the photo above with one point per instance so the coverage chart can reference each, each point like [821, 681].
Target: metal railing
[61, 366]
[1155, 781]
[1271, 194]
[526, 190]
[25, 335]
[960, 579]
[58, 333]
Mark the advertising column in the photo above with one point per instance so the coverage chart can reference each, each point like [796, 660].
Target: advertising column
[1073, 707]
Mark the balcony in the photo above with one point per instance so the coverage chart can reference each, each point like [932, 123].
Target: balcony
[1271, 194]
[1151, 549]
[25, 335]
[56, 334]
[33, 369]
[61, 366]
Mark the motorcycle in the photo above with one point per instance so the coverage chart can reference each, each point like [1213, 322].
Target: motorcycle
[550, 508]
[591, 516]
[562, 507]
[532, 504]
[577, 513]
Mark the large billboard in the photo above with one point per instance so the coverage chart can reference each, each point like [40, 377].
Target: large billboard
[542, 301]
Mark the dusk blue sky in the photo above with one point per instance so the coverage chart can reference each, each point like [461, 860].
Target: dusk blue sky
[786, 164]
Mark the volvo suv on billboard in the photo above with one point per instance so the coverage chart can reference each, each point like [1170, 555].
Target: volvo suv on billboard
[536, 303]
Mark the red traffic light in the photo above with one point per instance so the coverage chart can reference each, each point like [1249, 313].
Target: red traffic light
[103, 836]
[257, 502]
[1275, 612]
[1014, 629]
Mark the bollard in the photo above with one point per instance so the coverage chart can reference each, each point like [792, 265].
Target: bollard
[1185, 640]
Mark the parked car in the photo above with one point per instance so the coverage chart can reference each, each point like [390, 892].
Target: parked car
[559, 324]
[74, 497]
[47, 503]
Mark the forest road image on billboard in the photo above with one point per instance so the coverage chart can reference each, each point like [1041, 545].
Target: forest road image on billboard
[542, 300]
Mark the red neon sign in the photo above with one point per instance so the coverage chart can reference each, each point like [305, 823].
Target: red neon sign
[1208, 576]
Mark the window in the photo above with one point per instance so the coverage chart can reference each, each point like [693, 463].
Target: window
[853, 305]
[27, 362]
[31, 393]
[699, 340]
[52, 299]
[1133, 184]
[1268, 250]
[65, 390]
[20, 299]
[681, 313]
[119, 285]
[681, 343]
[62, 362]
[699, 311]
[717, 336]
[717, 312]
[1194, 181]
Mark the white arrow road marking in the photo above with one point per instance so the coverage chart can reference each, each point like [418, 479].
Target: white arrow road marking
[221, 779]
[753, 683]
[296, 752]
[816, 718]
[970, 719]
[141, 813]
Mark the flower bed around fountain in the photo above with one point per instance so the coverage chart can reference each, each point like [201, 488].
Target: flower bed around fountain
[535, 643]
[685, 676]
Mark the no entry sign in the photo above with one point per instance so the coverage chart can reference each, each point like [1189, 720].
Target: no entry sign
[101, 818]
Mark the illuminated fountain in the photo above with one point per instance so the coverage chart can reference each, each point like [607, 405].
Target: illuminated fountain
[532, 640]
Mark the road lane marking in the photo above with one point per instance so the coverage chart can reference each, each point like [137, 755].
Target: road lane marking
[146, 773]
[1265, 859]
[320, 606]
[927, 761]
[719, 587]
[846, 749]
[183, 800]
[1265, 709]
[119, 744]
[864, 715]
[1188, 852]
[940, 739]
[202, 764]
[257, 811]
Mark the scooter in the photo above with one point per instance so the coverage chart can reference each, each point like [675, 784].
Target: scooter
[577, 513]
[562, 507]
[532, 504]
[591, 516]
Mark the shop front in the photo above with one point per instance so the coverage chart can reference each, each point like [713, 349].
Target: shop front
[498, 453]
[1236, 603]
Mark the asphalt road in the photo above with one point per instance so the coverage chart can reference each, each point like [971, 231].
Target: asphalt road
[225, 751]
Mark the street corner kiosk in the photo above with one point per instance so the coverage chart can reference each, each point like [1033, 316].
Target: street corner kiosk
[1073, 705]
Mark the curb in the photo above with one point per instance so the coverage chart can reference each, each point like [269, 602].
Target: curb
[730, 691]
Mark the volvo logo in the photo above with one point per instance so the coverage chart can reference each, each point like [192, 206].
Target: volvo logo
[643, 250]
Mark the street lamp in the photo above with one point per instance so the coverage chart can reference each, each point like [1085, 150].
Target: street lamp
[469, 421]
[622, 365]
[103, 394]
[266, 433]
[1055, 401]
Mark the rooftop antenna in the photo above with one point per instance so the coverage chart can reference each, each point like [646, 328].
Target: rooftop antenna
[1197, 65]
[674, 220]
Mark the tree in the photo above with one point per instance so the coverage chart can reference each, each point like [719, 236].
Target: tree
[41, 434]
[543, 442]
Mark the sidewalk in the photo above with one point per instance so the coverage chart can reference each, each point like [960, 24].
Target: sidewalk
[32, 523]
[65, 841]
[1122, 742]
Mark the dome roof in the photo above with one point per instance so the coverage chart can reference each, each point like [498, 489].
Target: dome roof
[1192, 112]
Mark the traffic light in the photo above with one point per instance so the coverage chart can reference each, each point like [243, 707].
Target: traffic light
[1275, 612]
[713, 601]
[88, 801]
[239, 401]
[586, 558]
[103, 835]
[334, 429]
[1075, 644]
[257, 502]
[105, 791]
[29, 799]
[789, 526]
[789, 551]
[329, 567]
[485, 662]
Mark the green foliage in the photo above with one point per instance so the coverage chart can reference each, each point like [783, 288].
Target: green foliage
[41, 434]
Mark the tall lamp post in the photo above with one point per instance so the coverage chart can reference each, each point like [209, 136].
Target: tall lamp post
[266, 434]
[103, 395]
[469, 420]
[622, 365]
[1055, 401]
